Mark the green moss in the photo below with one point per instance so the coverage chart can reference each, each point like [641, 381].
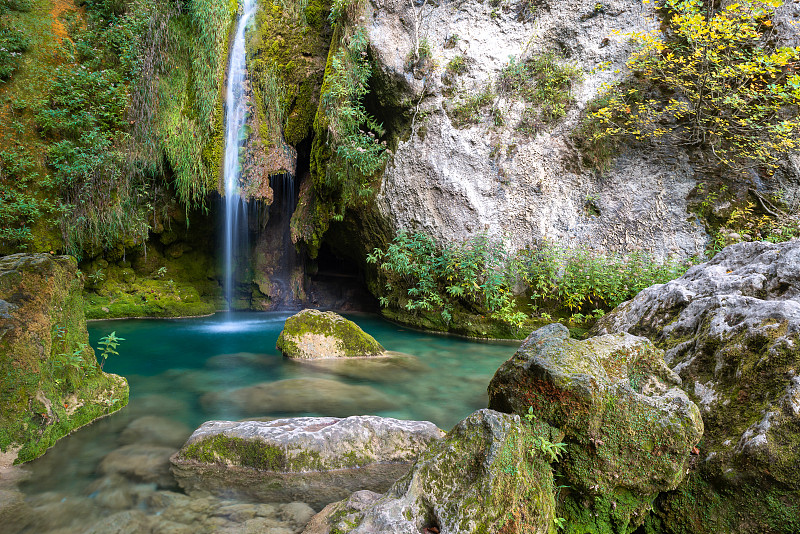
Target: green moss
[287, 47]
[350, 340]
[44, 395]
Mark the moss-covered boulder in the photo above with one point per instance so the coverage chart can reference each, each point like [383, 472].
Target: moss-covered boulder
[316, 460]
[487, 476]
[629, 430]
[312, 334]
[51, 383]
[731, 329]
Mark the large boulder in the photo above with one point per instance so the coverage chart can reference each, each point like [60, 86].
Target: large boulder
[731, 329]
[629, 430]
[51, 383]
[316, 460]
[312, 334]
[487, 475]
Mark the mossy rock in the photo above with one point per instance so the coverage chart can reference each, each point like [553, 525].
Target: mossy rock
[629, 430]
[51, 382]
[312, 459]
[312, 334]
[486, 476]
[730, 328]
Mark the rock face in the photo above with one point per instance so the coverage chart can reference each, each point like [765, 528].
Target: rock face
[312, 334]
[731, 330]
[310, 459]
[51, 383]
[628, 428]
[453, 180]
[483, 477]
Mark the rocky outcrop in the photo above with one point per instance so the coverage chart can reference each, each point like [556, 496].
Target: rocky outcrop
[487, 475]
[731, 330]
[316, 460]
[628, 429]
[312, 334]
[51, 383]
[453, 178]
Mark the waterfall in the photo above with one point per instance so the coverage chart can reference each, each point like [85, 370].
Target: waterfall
[236, 117]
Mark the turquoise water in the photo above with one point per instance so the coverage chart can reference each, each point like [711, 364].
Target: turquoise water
[183, 372]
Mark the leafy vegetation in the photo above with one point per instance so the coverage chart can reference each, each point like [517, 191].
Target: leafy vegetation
[474, 274]
[544, 81]
[13, 42]
[119, 86]
[483, 276]
[718, 81]
[108, 346]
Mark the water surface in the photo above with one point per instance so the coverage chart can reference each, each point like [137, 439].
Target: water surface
[113, 475]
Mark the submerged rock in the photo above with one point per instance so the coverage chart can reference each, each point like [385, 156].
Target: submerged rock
[628, 428]
[312, 459]
[731, 329]
[312, 334]
[51, 383]
[393, 367]
[485, 476]
[155, 430]
[140, 463]
[300, 395]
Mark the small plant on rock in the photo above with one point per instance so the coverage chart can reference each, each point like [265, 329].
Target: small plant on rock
[108, 346]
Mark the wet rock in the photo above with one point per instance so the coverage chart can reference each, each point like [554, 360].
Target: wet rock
[310, 459]
[155, 430]
[42, 396]
[483, 477]
[127, 522]
[312, 334]
[238, 359]
[730, 329]
[300, 395]
[144, 463]
[393, 367]
[628, 429]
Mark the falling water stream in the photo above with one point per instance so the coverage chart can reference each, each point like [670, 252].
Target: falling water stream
[236, 117]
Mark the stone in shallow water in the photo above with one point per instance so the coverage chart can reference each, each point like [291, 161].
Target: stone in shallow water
[142, 463]
[300, 395]
[391, 367]
[312, 334]
[310, 459]
[155, 430]
[239, 359]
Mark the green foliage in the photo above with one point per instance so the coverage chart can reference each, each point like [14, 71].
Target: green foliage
[477, 274]
[544, 81]
[469, 108]
[755, 217]
[13, 41]
[580, 278]
[457, 65]
[481, 275]
[717, 81]
[108, 346]
[353, 135]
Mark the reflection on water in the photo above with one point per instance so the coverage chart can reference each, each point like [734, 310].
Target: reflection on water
[113, 476]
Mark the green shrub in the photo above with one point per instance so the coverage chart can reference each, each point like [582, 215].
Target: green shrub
[354, 136]
[481, 275]
[718, 81]
[478, 274]
[543, 81]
